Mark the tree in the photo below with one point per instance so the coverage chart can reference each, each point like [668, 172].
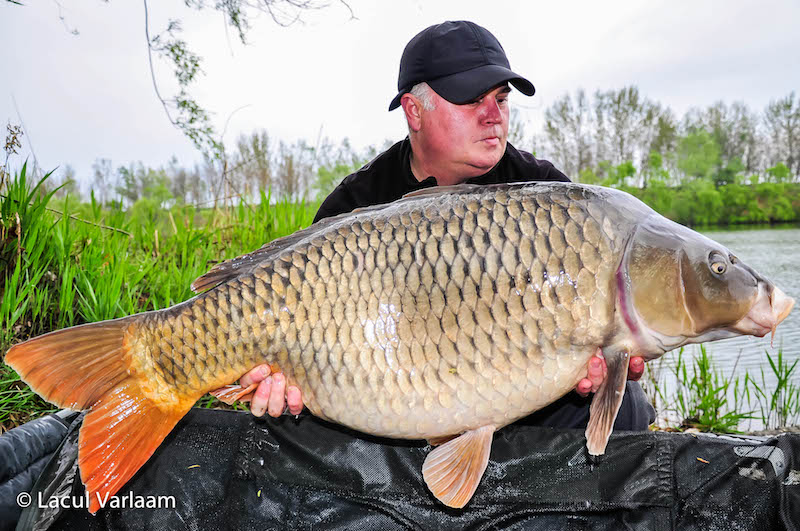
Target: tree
[138, 182]
[782, 121]
[101, 180]
[779, 173]
[654, 170]
[568, 127]
[729, 174]
[627, 125]
[698, 202]
[129, 183]
[295, 166]
[253, 160]
[665, 137]
[195, 186]
[698, 154]
[179, 180]
[69, 185]
[517, 130]
[733, 129]
[619, 174]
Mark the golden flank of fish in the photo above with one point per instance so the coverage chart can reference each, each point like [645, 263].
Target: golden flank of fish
[445, 316]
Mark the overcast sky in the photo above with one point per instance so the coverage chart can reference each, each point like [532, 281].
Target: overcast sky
[90, 96]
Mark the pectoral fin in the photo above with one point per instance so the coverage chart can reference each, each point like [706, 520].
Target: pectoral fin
[231, 394]
[606, 402]
[453, 470]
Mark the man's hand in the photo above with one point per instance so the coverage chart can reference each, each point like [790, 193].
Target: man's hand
[597, 373]
[271, 395]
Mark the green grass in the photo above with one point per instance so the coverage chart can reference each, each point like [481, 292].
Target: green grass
[778, 406]
[707, 399]
[702, 396]
[57, 271]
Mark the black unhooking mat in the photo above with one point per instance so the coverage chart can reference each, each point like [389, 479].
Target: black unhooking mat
[227, 470]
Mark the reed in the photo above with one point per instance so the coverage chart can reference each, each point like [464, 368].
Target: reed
[779, 405]
[700, 396]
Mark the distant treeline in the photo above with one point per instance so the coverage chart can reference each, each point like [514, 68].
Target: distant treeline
[724, 164]
[589, 137]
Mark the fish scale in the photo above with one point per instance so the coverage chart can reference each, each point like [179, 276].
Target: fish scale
[466, 308]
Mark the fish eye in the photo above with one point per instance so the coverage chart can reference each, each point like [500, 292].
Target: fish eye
[717, 262]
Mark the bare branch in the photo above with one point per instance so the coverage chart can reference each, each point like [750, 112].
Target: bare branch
[76, 218]
[150, 62]
[71, 31]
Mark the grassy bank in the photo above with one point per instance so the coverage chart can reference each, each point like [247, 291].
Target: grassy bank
[64, 263]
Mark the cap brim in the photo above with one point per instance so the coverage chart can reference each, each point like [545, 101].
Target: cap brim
[396, 101]
[464, 87]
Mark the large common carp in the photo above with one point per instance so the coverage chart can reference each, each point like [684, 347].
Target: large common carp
[445, 316]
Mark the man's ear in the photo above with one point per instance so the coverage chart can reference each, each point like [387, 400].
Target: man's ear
[412, 107]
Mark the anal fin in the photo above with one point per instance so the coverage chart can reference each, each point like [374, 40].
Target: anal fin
[118, 435]
[606, 402]
[453, 470]
[231, 394]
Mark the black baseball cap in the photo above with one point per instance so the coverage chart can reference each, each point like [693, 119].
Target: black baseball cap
[459, 60]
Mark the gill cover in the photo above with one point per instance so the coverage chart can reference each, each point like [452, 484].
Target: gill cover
[684, 284]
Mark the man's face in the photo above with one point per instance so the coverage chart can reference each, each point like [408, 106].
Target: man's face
[466, 140]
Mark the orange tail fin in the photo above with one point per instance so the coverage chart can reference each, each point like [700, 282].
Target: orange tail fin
[86, 367]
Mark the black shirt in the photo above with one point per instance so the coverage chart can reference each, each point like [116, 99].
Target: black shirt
[388, 177]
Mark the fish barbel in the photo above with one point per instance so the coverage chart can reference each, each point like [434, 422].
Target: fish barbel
[444, 316]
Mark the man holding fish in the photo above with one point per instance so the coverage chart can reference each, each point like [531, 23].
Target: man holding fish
[453, 88]
[444, 316]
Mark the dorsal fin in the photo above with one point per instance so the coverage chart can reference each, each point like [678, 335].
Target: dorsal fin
[234, 267]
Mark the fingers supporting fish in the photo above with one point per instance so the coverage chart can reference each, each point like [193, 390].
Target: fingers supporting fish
[260, 400]
[584, 387]
[595, 375]
[259, 397]
[267, 391]
[636, 368]
[597, 372]
[294, 399]
[255, 375]
[277, 396]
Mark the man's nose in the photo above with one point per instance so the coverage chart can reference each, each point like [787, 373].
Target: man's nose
[490, 111]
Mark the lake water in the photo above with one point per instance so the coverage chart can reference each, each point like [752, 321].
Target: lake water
[775, 253]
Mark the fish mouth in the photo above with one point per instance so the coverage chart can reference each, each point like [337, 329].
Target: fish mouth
[770, 309]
